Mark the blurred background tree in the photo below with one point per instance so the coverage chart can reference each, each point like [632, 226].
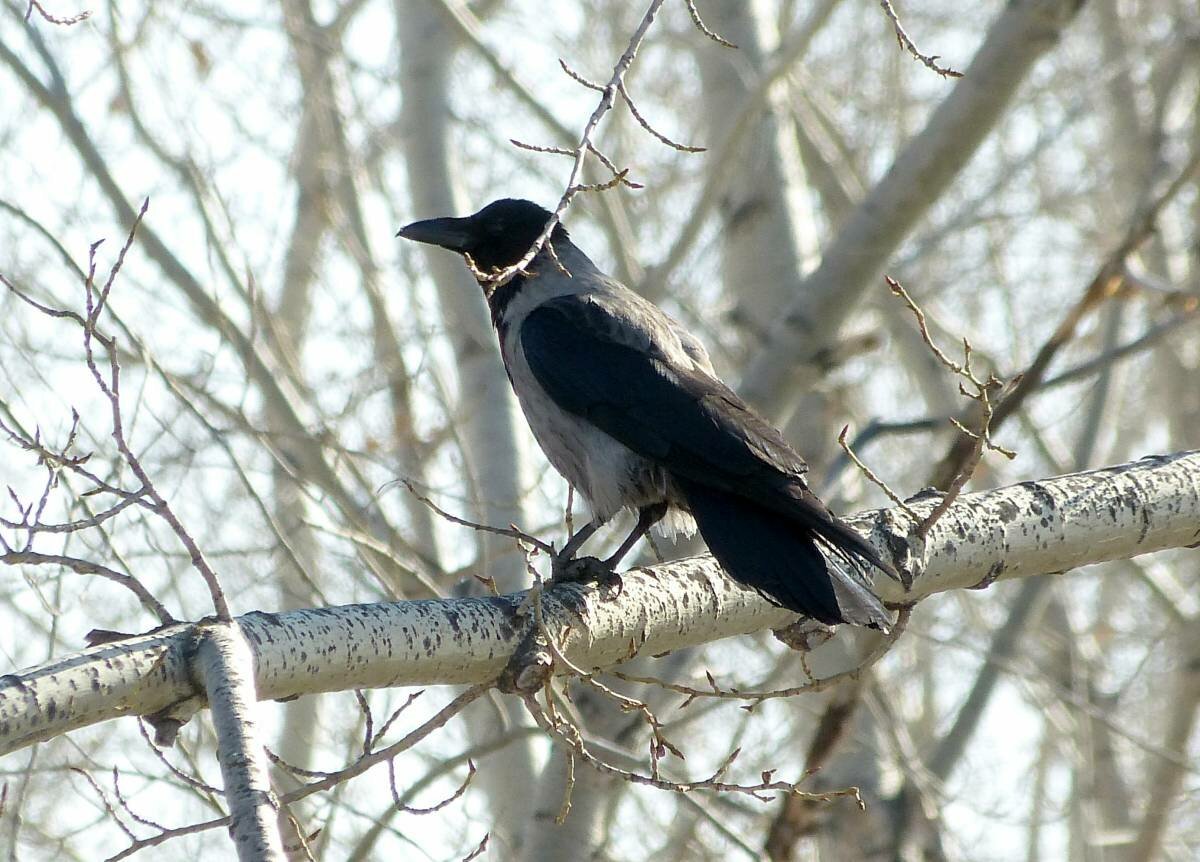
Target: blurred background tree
[286, 358]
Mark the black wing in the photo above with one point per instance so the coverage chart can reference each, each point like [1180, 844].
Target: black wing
[603, 359]
[608, 366]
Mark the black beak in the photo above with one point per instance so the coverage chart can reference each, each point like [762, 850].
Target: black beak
[451, 233]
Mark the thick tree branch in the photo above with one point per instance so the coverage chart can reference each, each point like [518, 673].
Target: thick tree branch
[1021, 530]
[224, 668]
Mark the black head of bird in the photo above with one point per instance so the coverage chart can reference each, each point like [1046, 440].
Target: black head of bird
[497, 236]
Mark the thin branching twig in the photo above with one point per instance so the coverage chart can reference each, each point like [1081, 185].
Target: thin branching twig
[586, 145]
[510, 531]
[567, 734]
[983, 394]
[64, 21]
[870, 474]
[754, 697]
[703, 28]
[332, 779]
[929, 60]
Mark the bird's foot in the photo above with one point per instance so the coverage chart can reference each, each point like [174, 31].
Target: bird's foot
[578, 570]
[586, 570]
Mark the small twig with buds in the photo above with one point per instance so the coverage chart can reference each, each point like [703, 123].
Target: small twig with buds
[929, 60]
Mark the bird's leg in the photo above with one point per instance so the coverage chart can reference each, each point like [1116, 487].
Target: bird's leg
[648, 516]
[568, 568]
[576, 541]
[562, 559]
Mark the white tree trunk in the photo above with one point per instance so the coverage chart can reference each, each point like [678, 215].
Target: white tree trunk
[1032, 528]
[919, 176]
[766, 233]
[488, 416]
[224, 669]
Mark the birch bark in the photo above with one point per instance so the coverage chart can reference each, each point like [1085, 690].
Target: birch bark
[224, 669]
[1048, 526]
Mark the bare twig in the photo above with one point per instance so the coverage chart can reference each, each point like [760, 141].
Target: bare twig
[365, 847]
[124, 803]
[95, 301]
[703, 28]
[581, 149]
[561, 728]
[370, 736]
[554, 254]
[44, 309]
[510, 531]
[568, 514]
[66, 21]
[930, 61]
[391, 719]
[981, 440]
[620, 178]
[564, 151]
[658, 743]
[110, 385]
[400, 805]
[368, 721]
[578, 78]
[78, 524]
[163, 837]
[569, 736]
[870, 474]
[875, 429]
[568, 790]
[540, 148]
[753, 106]
[755, 697]
[410, 739]
[1105, 284]
[189, 780]
[104, 800]
[74, 463]
[479, 850]
[645, 124]
[87, 567]
[333, 779]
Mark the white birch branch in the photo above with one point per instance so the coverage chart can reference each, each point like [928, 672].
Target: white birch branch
[223, 668]
[1031, 528]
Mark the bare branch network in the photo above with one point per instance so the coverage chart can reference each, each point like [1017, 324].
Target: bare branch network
[1022, 530]
[533, 644]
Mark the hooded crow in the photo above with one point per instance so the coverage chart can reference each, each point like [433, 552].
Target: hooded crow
[627, 407]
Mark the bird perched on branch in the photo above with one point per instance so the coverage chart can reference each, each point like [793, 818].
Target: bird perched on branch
[626, 405]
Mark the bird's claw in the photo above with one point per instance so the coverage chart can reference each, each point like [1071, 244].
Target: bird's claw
[577, 569]
[585, 570]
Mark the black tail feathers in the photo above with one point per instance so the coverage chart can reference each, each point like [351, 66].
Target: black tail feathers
[778, 555]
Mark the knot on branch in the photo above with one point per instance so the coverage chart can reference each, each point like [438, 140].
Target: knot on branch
[906, 546]
[804, 635]
[530, 666]
[166, 723]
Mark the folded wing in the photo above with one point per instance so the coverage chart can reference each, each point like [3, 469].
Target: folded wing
[614, 365]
